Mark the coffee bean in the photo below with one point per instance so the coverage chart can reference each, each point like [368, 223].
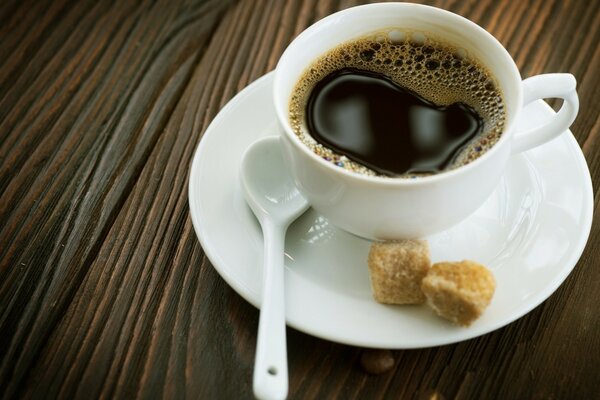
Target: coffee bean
[431, 395]
[376, 362]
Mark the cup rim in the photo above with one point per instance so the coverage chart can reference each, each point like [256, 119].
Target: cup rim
[387, 180]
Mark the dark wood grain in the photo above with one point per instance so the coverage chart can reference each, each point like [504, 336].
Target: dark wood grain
[104, 288]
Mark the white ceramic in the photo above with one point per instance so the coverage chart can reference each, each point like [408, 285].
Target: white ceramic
[275, 201]
[530, 232]
[383, 208]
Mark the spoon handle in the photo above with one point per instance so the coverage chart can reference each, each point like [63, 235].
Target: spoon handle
[270, 365]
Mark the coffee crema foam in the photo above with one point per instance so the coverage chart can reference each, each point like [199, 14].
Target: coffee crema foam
[437, 71]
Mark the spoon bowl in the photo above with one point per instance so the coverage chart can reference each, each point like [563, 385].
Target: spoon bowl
[268, 187]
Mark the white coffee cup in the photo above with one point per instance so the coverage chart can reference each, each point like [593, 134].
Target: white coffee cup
[390, 208]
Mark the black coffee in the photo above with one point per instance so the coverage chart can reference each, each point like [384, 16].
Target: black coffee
[397, 104]
[392, 130]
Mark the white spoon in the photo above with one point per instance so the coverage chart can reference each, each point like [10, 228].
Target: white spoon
[271, 194]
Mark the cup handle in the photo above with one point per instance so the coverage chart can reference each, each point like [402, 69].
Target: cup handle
[544, 86]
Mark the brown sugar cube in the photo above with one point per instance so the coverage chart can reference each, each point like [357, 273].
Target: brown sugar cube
[459, 291]
[397, 269]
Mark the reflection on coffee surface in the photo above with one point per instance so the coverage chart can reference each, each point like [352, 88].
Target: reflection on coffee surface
[397, 104]
[385, 127]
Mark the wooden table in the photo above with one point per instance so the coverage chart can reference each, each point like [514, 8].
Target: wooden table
[104, 288]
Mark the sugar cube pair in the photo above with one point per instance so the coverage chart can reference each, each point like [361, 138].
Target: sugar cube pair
[401, 273]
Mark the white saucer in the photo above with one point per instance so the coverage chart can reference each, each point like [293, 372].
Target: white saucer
[530, 232]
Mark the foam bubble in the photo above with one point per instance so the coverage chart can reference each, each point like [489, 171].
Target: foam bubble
[397, 36]
[418, 38]
[435, 70]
